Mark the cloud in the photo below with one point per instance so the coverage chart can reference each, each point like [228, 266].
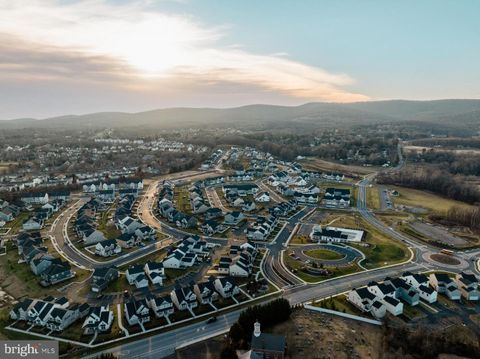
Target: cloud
[135, 47]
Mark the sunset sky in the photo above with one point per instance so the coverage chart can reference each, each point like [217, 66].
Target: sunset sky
[74, 57]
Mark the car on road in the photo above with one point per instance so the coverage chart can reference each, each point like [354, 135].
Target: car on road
[211, 320]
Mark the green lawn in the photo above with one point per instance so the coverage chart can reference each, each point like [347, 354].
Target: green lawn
[340, 304]
[323, 254]
[381, 249]
[182, 199]
[293, 264]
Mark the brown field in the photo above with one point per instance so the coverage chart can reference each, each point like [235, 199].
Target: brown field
[423, 199]
[322, 165]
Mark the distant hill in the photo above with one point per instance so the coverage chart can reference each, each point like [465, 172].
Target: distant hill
[317, 114]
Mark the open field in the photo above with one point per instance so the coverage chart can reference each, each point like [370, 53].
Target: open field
[323, 254]
[18, 280]
[379, 249]
[373, 197]
[182, 199]
[423, 199]
[296, 267]
[326, 166]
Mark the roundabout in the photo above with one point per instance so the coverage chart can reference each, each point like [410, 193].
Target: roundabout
[445, 260]
[327, 255]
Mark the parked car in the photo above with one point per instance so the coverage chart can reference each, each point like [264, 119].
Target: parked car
[211, 320]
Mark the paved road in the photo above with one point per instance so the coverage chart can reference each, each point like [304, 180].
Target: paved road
[161, 345]
[164, 344]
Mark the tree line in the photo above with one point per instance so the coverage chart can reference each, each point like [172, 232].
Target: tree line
[434, 180]
[464, 216]
[467, 164]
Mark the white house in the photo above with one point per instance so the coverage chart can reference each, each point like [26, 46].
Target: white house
[99, 320]
[263, 198]
[137, 311]
[161, 306]
[442, 283]
[155, 272]
[107, 248]
[468, 285]
[226, 287]
[184, 298]
[366, 301]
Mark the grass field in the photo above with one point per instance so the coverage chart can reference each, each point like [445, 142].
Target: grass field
[373, 198]
[382, 250]
[296, 265]
[423, 199]
[322, 165]
[340, 304]
[323, 254]
[182, 199]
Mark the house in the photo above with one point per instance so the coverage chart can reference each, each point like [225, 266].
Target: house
[404, 291]
[161, 306]
[305, 198]
[468, 285]
[238, 202]
[184, 298]
[41, 261]
[58, 319]
[52, 313]
[174, 260]
[264, 345]
[213, 213]
[20, 310]
[32, 224]
[442, 283]
[130, 225]
[421, 284]
[128, 240]
[386, 294]
[210, 227]
[337, 197]
[59, 195]
[102, 277]
[137, 311]
[226, 287]
[145, 233]
[92, 236]
[107, 248]
[6, 215]
[183, 220]
[205, 292]
[107, 195]
[99, 320]
[248, 206]
[35, 197]
[263, 197]
[136, 276]
[233, 218]
[366, 301]
[56, 273]
[155, 272]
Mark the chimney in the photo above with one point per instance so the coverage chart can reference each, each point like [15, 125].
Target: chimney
[256, 329]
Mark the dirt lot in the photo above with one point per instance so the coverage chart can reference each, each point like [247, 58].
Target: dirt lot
[316, 335]
[321, 165]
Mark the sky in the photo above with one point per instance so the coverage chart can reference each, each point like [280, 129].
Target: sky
[75, 57]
